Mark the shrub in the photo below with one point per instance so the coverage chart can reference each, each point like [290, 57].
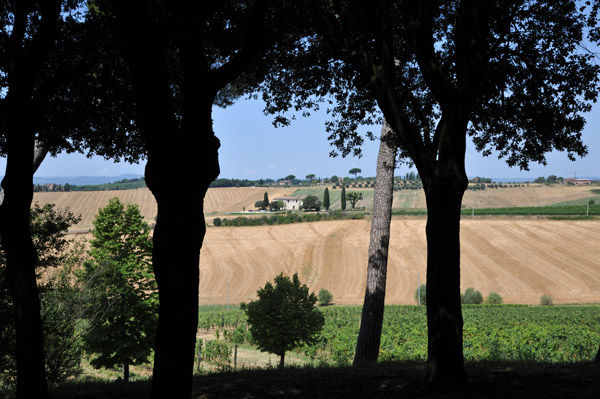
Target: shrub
[471, 297]
[217, 352]
[325, 297]
[494, 299]
[546, 300]
[217, 222]
[422, 292]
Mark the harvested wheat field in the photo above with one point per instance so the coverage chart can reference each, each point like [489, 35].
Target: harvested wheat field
[232, 199]
[521, 259]
[534, 195]
[217, 200]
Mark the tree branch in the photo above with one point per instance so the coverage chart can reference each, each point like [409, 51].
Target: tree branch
[256, 41]
[423, 42]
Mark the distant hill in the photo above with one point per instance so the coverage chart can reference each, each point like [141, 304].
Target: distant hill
[82, 180]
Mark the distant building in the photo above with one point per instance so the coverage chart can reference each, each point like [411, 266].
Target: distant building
[290, 203]
[578, 182]
[285, 183]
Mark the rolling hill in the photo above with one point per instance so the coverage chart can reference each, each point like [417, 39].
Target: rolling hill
[519, 258]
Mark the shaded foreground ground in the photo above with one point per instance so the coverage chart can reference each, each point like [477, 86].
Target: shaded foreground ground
[398, 380]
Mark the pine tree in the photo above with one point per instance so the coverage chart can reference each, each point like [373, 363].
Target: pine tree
[326, 202]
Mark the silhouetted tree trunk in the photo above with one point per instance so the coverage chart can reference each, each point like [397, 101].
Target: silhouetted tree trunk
[597, 359]
[369, 337]
[281, 360]
[21, 259]
[181, 148]
[26, 55]
[126, 372]
[444, 188]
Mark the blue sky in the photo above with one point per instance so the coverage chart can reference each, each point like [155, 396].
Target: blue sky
[251, 148]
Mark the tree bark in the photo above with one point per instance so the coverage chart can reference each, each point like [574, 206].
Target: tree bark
[281, 360]
[369, 337]
[21, 258]
[444, 184]
[126, 372]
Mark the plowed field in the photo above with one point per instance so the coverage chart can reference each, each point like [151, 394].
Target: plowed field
[520, 259]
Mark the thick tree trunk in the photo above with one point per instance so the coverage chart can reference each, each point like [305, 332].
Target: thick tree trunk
[126, 372]
[281, 360]
[369, 337]
[444, 191]
[177, 240]
[21, 259]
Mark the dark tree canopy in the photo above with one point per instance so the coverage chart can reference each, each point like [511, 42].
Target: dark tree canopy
[510, 75]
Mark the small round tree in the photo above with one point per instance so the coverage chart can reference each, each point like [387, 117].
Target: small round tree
[311, 202]
[284, 316]
[546, 300]
[472, 297]
[325, 297]
[494, 299]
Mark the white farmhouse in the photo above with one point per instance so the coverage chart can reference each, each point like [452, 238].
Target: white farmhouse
[290, 203]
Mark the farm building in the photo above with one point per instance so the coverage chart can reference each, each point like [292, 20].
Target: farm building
[290, 203]
[578, 182]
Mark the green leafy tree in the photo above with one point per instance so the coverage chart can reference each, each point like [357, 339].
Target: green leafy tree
[472, 297]
[546, 300]
[326, 200]
[284, 316]
[276, 205]
[265, 204]
[310, 177]
[311, 203]
[353, 197]
[325, 297]
[334, 179]
[355, 171]
[343, 197]
[121, 278]
[290, 177]
[59, 310]
[494, 299]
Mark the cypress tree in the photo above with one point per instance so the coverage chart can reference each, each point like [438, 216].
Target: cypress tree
[343, 197]
[266, 201]
[326, 199]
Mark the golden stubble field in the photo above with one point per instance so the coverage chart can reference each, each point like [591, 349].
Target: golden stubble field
[220, 201]
[519, 258]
